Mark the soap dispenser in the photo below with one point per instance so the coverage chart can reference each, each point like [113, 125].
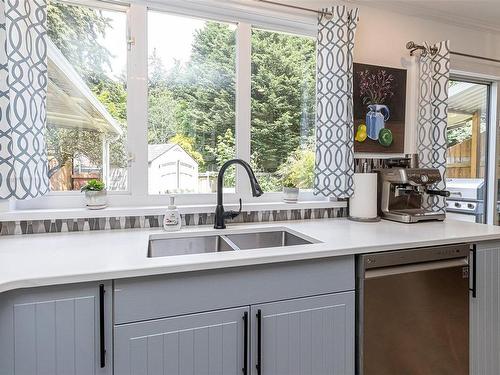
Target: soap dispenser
[172, 219]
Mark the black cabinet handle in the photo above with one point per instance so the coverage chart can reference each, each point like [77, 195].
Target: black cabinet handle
[259, 342]
[102, 342]
[474, 268]
[245, 344]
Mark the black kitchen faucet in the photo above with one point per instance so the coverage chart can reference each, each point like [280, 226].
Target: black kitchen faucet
[220, 214]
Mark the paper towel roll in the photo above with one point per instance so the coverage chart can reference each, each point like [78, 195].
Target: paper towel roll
[363, 203]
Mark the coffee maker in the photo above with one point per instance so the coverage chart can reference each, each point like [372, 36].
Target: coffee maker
[401, 193]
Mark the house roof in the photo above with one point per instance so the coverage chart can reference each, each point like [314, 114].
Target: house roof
[70, 102]
[154, 151]
[464, 99]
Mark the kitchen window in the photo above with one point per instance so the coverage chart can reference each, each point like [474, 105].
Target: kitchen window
[154, 99]
[283, 108]
[466, 169]
[191, 103]
[86, 101]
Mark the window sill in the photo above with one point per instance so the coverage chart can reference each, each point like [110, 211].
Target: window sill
[78, 213]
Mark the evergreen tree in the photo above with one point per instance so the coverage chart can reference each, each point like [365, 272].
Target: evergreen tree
[205, 90]
[283, 92]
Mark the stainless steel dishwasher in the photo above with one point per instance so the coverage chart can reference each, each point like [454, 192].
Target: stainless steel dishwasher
[413, 312]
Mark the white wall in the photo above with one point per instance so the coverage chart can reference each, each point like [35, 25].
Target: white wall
[381, 39]
[382, 35]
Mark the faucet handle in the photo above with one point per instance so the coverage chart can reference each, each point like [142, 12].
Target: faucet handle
[232, 214]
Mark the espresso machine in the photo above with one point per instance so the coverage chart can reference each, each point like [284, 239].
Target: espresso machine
[401, 193]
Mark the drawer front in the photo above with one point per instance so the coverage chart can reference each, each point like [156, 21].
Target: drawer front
[161, 296]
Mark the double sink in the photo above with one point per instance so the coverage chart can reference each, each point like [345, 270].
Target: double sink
[212, 243]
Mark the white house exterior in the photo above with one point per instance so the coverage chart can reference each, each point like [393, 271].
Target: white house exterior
[171, 169]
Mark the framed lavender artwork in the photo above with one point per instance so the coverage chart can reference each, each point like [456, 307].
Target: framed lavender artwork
[379, 109]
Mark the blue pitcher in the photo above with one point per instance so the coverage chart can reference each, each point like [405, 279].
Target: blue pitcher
[375, 120]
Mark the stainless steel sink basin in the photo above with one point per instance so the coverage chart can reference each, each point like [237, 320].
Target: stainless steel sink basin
[259, 240]
[162, 247]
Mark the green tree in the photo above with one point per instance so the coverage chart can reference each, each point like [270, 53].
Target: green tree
[64, 145]
[283, 95]
[224, 150]
[197, 99]
[75, 30]
[459, 135]
[162, 123]
[298, 169]
[113, 96]
[204, 90]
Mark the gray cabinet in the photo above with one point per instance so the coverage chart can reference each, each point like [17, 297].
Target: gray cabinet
[485, 311]
[211, 343]
[56, 330]
[192, 323]
[306, 336]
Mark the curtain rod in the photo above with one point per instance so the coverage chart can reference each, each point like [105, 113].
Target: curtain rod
[294, 7]
[475, 57]
[412, 46]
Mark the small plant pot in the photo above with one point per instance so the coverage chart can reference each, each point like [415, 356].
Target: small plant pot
[291, 195]
[96, 200]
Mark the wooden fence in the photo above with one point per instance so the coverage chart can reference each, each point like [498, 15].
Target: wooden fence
[465, 160]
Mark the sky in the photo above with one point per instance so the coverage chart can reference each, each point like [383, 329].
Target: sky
[115, 41]
[170, 35]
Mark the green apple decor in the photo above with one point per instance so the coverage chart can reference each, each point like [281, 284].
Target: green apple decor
[385, 137]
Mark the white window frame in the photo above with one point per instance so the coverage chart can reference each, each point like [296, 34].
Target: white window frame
[245, 17]
[493, 125]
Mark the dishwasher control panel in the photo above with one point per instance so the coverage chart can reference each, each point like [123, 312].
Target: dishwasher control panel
[419, 255]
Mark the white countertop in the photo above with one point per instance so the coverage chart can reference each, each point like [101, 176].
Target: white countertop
[48, 259]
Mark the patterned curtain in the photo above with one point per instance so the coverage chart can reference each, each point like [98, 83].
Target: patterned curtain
[433, 114]
[334, 168]
[23, 88]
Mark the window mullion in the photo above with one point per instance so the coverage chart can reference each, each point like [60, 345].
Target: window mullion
[243, 103]
[491, 163]
[137, 99]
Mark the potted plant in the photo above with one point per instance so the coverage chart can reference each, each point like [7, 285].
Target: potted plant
[297, 172]
[95, 194]
[290, 190]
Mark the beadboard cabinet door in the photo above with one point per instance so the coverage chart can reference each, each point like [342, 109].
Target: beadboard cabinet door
[56, 330]
[305, 336]
[211, 343]
[485, 310]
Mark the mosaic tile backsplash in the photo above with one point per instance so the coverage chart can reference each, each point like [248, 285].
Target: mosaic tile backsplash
[156, 221]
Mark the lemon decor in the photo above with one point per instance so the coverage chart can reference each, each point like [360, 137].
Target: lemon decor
[361, 133]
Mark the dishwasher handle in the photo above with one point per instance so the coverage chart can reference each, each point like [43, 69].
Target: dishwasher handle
[474, 271]
[416, 267]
